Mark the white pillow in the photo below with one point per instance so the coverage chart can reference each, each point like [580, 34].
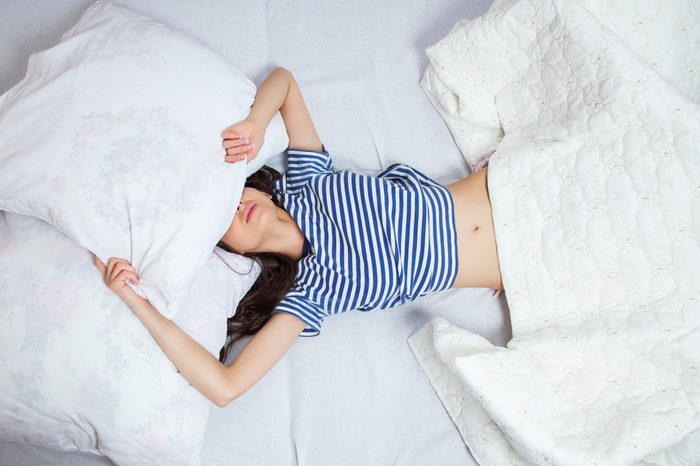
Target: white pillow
[113, 136]
[78, 371]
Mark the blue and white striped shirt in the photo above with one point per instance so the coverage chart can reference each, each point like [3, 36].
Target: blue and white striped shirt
[376, 242]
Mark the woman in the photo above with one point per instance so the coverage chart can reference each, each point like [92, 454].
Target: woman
[392, 238]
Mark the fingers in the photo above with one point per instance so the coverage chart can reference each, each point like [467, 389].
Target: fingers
[237, 147]
[118, 270]
[230, 133]
[234, 143]
[240, 150]
[235, 158]
[121, 278]
[111, 263]
[100, 265]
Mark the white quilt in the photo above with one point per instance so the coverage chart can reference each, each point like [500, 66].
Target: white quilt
[592, 107]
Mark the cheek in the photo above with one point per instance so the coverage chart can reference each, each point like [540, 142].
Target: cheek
[233, 235]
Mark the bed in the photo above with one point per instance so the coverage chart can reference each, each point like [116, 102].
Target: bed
[592, 109]
[586, 113]
[354, 395]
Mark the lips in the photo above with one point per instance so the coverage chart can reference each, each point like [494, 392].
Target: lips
[249, 212]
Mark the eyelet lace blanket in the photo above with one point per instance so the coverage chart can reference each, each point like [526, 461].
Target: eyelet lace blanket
[592, 109]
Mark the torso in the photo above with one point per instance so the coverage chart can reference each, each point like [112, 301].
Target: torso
[377, 241]
[476, 240]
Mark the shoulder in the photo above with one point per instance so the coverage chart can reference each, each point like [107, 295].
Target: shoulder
[303, 165]
[318, 159]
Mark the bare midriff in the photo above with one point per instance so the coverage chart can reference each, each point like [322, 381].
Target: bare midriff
[476, 241]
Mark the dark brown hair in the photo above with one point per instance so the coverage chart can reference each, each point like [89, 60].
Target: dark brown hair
[277, 273]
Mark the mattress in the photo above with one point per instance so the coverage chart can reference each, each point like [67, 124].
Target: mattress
[355, 394]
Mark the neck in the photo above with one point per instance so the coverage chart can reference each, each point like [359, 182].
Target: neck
[288, 239]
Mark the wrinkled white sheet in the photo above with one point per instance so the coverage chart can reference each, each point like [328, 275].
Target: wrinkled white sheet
[354, 395]
[595, 190]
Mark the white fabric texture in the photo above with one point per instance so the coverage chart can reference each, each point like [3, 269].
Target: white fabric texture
[479, 58]
[355, 394]
[120, 124]
[595, 192]
[78, 370]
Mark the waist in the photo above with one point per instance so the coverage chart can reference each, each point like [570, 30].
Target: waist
[471, 201]
[478, 258]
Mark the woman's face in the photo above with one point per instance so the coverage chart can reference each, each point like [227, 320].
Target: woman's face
[253, 223]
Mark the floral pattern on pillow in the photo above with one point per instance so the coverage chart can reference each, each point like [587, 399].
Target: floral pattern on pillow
[78, 371]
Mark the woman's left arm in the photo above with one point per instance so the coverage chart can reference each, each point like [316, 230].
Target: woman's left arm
[279, 91]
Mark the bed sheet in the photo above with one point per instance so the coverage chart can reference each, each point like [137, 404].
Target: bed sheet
[594, 192]
[354, 395]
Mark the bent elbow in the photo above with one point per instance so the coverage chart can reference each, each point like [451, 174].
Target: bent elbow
[284, 71]
[224, 400]
[222, 403]
[227, 396]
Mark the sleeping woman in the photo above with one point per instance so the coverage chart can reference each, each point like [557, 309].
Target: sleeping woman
[328, 241]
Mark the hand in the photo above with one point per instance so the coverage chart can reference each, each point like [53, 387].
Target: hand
[115, 274]
[243, 140]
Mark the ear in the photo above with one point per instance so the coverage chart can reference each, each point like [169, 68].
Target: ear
[269, 196]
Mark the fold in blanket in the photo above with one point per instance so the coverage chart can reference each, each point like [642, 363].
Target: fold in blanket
[595, 191]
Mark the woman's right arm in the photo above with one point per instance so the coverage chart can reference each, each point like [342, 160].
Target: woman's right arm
[219, 383]
[279, 92]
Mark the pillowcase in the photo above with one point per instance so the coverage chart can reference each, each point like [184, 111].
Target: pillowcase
[113, 136]
[78, 370]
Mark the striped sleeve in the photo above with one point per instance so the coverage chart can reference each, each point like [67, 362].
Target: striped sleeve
[400, 174]
[304, 164]
[307, 311]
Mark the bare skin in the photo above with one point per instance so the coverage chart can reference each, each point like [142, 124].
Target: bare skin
[261, 226]
[476, 241]
[269, 228]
